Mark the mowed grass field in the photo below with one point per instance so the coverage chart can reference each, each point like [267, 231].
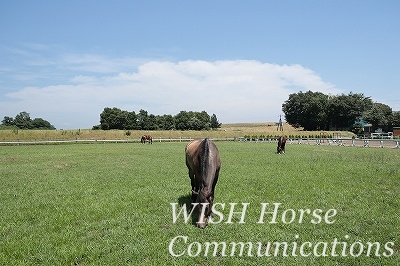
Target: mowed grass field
[110, 204]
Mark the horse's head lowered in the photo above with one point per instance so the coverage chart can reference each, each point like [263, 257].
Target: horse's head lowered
[281, 145]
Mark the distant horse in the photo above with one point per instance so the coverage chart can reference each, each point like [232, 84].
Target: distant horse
[148, 138]
[281, 145]
[203, 163]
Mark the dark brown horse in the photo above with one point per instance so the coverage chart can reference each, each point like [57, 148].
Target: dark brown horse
[148, 138]
[281, 145]
[204, 163]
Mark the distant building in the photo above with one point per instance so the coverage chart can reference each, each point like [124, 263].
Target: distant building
[396, 131]
[367, 128]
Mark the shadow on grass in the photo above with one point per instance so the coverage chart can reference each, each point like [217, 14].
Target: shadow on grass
[186, 199]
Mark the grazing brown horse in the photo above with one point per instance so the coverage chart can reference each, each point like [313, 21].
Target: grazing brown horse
[146, 137]
[204, 163]
[281, 145]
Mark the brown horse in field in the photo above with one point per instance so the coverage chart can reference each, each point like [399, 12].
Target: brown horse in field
[281, 145]
[148, 138]
[204, 163]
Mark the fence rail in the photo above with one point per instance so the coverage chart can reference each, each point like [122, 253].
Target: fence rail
[379, 143]
[89, 141]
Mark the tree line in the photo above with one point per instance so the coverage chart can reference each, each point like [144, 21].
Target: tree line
[308, 110]
[24, 121]
[115, 118]
[318, 111]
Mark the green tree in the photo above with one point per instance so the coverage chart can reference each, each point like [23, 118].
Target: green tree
[151, 122]
[115, 118]
[40, 123]
[143, 119]
[380, 116]
[214, 123]
[8, 121]
[307, 110]
[345, 109]
[182, 120]
[112, 118]
[204, 120]
[396, 119]
[23, 120]
[166, 122]
[131, 121]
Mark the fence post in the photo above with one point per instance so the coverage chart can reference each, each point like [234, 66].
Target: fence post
[366, 143]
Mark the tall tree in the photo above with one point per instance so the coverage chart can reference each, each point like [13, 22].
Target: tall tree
[396, 119]
[214, 123]
[112, 118]
[143, 119]
[40, 123]
[165, 122]
[151, 122]
[307, 110]
[23, 120]
[204, 119]
[182, 120]
[8, 121]
[380, 116]
[345, 109]
[130, 120]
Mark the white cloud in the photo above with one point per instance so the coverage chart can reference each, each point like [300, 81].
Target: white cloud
[236, 91]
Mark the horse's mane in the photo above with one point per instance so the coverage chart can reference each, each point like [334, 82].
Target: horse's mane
[205, 153]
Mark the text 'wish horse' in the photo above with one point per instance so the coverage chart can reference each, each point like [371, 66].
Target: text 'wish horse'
[204, 163]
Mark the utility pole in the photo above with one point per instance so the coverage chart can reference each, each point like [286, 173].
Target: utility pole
[280, 124]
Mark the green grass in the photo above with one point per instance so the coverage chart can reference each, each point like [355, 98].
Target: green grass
[109, 204]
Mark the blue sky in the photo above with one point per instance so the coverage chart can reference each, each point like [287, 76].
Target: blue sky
[65, 61]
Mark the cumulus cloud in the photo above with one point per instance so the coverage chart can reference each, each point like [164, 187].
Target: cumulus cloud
[235, 90]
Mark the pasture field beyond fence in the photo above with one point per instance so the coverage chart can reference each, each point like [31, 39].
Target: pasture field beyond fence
[112, 204]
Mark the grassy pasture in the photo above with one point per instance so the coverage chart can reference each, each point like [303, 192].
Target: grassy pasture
[109, 204]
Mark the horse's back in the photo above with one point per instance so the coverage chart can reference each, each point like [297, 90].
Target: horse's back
[192, 151]
[192, 148]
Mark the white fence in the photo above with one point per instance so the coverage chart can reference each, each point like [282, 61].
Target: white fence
[100, 141]
[379, 143]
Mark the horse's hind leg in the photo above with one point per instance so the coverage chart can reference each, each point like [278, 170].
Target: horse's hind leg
[193, 184]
